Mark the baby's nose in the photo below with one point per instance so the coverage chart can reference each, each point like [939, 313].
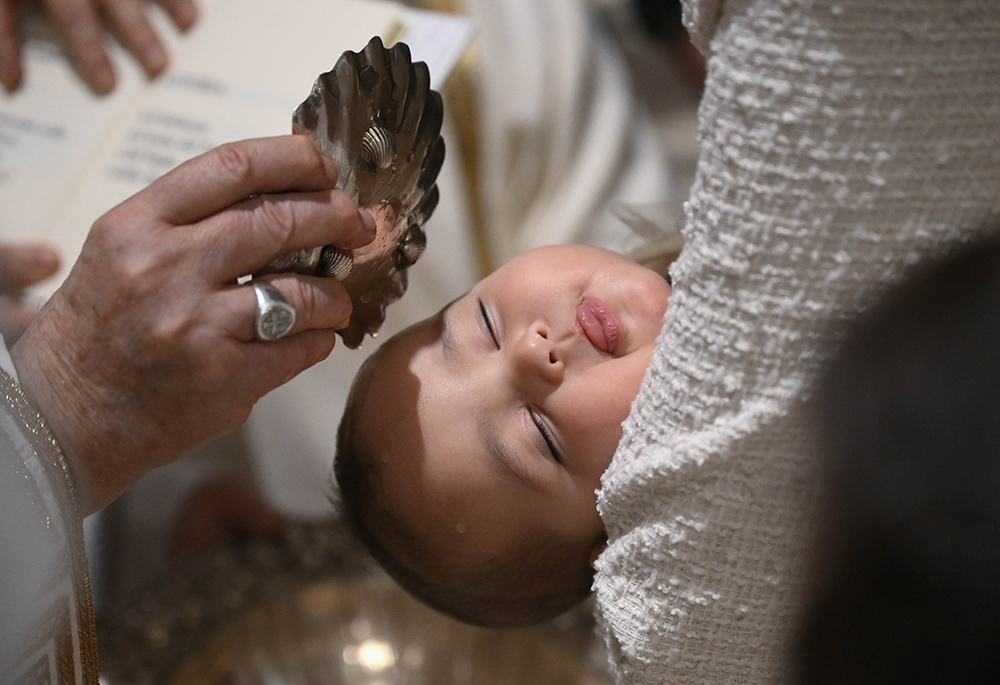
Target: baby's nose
[538, 357]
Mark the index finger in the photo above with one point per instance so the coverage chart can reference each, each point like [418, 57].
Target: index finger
[10, 49]
[230, 173]
[81, 27]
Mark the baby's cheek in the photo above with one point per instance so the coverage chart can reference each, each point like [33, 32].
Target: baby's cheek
[594, 405]
[621, 381]
[595, 433]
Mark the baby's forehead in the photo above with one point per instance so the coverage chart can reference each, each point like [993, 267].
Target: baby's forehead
[391, 360]
[392, 394]
[385, 392]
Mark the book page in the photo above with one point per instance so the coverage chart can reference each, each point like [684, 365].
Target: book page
[240, 73]
[241, 76]
[52, 127]
[438, 39]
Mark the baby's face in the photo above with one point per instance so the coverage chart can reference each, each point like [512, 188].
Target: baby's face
[499, 415]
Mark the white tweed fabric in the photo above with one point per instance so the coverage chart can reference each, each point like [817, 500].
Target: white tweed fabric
[841, 141]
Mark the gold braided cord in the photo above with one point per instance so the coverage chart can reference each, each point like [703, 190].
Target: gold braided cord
[58, 484]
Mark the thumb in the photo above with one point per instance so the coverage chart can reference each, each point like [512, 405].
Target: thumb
[360, 233]
[24, 265]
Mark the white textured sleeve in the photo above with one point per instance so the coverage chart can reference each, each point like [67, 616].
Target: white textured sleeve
[701, 17]
[841, 141]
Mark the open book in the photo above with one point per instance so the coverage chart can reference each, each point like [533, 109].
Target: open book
[67, 156]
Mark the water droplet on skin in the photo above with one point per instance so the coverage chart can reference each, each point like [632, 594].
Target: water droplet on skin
[366, 298]
[460, 526]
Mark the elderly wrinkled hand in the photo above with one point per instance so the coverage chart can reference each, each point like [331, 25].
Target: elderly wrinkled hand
[21, 266]
[82, 25]
[149, 347]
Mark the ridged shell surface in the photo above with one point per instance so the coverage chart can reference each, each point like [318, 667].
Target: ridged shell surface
[375, 115]
[378, 148]
[411, 246]
[336, 263]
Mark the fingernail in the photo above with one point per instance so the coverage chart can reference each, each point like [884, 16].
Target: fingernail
[156, 60]
[186, 14]
[103, 79]
[11, 79]
[330, 167]
[369, 221]
[347, 309]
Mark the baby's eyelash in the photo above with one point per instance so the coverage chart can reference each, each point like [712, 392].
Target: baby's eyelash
[546, 434]
[489, 324]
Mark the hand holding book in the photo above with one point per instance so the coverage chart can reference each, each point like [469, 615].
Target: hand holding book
[82, 24]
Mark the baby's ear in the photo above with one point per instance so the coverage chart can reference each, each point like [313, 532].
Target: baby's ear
[596, 550]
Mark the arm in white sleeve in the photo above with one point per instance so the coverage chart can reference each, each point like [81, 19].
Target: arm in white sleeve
[841, 141]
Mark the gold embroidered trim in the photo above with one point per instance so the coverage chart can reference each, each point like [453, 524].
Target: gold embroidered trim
[46, 449]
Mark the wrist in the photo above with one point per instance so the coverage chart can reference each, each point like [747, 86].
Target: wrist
[46, 377]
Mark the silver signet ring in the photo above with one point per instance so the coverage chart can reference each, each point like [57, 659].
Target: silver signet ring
[274, 316]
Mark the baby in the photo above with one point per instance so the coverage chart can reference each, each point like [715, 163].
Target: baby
[473, 442]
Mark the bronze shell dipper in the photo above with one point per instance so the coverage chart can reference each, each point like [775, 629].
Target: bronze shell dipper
[375, 115]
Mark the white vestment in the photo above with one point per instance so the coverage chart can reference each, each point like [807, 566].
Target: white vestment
[47, 631]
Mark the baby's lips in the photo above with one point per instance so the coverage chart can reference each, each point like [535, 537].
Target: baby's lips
[600, 324]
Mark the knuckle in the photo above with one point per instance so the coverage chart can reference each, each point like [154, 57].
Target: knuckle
[343, 206]
[234, 161]
[343, 220]
[316, 157]
[127, 258]
[166, 334]
[278, 220]
[319, 347]
[140, 269]
[308, 302]
[344, 318]
[308, 150]
[341, 302]
[304, 351]
[135, 277]
[313, 161]
[107, 226]
[313, 347]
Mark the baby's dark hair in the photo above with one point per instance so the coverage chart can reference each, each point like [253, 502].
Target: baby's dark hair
[541, 580]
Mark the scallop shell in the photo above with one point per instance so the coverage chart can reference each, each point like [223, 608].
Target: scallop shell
[299, 261]
[411, 246]
[378, 147]
[375, 115]
[335, 263]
